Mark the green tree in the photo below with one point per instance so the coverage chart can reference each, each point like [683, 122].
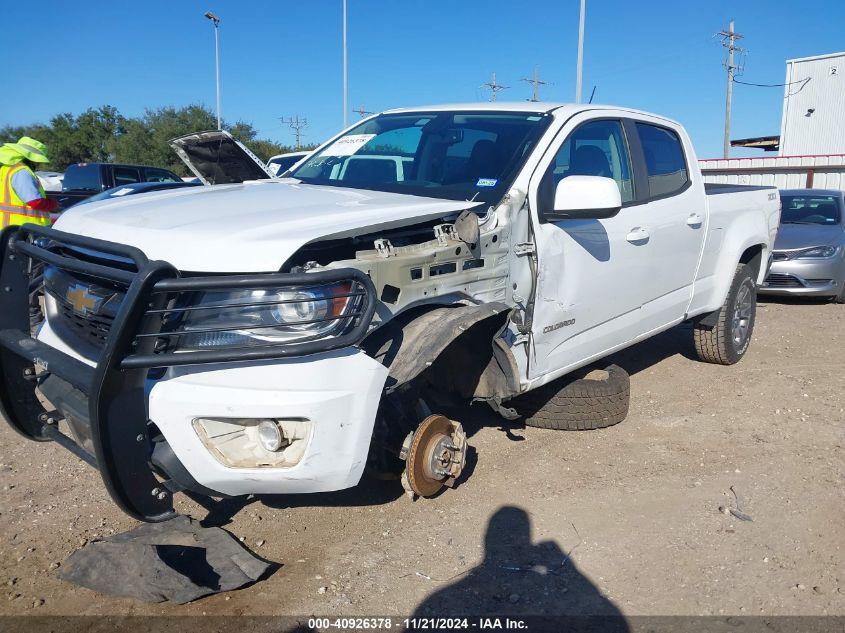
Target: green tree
[104, 135]
[73, 139]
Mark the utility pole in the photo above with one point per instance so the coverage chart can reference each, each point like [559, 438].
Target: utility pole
[729, 39]
[345, 83]
[364, 113]
[537, 83]
[494, 87]
[297, 125]
[579, 70]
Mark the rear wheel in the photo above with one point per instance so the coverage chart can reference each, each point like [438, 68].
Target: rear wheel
[597, 400]
[726, 342]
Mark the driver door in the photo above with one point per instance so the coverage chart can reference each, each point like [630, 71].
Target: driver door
[588, 289]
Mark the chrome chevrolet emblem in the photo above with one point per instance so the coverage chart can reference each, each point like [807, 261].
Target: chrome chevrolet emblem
[82, 301]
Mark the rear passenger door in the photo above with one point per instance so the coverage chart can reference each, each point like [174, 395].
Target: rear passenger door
[673, 219]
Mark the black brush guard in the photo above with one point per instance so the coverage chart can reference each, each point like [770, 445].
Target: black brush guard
[115, 387]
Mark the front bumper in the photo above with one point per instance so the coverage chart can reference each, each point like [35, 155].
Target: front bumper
[329, 383]
[809, 277]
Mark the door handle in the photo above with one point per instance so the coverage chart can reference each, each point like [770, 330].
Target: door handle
[694, 219]
[637, 234]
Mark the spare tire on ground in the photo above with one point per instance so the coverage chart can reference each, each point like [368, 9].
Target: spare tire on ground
[591, 399]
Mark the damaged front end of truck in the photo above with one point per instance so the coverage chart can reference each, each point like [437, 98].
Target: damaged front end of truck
[389, 304]
[433, 303]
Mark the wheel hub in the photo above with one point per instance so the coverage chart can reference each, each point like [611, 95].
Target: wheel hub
[741, 321]
[436, 455]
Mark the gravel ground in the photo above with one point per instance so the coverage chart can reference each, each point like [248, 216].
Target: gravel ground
[625, 519]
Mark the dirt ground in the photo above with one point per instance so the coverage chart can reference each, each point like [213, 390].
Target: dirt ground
[625, 519]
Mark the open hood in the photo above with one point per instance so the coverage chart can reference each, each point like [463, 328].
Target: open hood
[216, 158]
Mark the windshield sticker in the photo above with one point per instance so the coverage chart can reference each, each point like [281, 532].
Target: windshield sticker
[122, 192]
[486, 182]
[533, 118]
[348, 145]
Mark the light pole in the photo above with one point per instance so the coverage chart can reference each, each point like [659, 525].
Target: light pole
[216, 21]
[580, 67]
[345, 101]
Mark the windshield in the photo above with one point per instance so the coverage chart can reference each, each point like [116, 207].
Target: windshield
[453, 155]
[810, 209]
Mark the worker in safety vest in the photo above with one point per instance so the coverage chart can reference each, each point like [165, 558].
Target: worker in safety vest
[22, 198]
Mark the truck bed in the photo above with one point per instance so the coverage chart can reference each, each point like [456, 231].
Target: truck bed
[714, 189]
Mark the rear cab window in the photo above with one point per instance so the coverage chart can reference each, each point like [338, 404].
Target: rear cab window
[665, 162]
[82, 177]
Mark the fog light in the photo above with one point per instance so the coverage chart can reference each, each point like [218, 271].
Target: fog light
[269, 435]
[255, 442]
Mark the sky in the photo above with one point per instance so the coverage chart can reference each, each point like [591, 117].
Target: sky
[281, 59]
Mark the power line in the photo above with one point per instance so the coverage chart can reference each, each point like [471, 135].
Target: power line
[494, 87]
[537, 83]
[361, 111]
[297, 125]
[791, 83]
[729, 39]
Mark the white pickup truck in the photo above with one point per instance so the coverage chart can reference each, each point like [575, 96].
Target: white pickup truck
[277, 336]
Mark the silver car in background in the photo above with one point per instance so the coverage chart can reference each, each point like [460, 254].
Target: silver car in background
[809, 253]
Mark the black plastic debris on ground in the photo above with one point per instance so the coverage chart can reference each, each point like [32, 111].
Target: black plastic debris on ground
[176, 560]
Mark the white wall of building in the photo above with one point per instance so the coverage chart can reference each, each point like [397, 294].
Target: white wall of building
[821, 131]
[783, 172]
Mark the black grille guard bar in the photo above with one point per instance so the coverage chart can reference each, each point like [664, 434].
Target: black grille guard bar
[115, 387]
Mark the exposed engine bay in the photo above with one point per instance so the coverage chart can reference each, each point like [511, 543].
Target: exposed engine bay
[450, 296]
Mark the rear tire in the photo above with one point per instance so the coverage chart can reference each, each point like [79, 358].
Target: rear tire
[595, 401]
[726, 342]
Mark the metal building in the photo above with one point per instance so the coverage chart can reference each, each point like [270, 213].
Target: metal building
[814, 106]
[783, 172]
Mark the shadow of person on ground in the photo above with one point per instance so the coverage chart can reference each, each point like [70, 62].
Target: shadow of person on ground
[521, 578]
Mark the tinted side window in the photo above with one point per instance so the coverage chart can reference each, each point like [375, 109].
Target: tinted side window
[160, 175]
[125, 175]
[664, 158]
[597, 148]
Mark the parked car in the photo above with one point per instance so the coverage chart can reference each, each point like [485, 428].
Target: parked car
[134, 188]
[280, 163]
[50, 180]
[278, 335]
[809, 254]
[83, 180]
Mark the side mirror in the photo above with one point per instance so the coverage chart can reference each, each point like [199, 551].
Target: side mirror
[586, 198]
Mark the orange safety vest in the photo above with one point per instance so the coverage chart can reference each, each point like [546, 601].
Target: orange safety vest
[13, 210]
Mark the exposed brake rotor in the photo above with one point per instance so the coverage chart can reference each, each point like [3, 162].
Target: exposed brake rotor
[436, 455]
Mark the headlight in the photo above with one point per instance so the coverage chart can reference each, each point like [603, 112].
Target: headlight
[241, 318]
[817, 252]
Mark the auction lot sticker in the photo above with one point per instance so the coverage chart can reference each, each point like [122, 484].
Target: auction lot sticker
[348, 145]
